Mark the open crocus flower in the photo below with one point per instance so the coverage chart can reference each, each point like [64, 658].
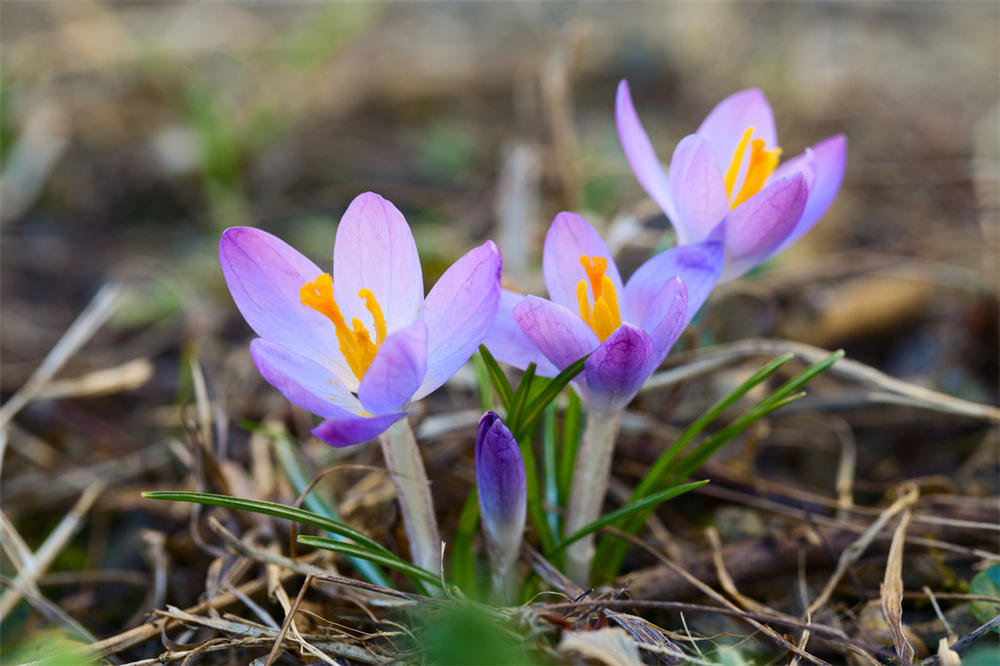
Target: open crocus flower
[729, 170]
[356, 347]
[626, 329]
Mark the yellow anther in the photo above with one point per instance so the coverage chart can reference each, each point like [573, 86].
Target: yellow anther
[355, 342]
[603, 317]
[762, 164]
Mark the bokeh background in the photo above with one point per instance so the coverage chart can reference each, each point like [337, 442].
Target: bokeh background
[132, 134]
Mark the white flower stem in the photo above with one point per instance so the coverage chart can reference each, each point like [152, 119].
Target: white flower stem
[590, 483]
[402, 458]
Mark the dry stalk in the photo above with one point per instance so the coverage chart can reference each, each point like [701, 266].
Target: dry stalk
[892, 592]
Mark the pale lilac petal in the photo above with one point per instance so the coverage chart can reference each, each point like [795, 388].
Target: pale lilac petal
[375, 250]
[758, 226]
[264, 275]
[698, 265]
[501, 482]
[459, 312]
[666, 318]
[508, 343]
[398, 369]
[558, 333]
[348, 429]
[725, 124]
[617, 369]
[639, 152]
[826, 161]
[698, 190]
[302, 381]
[569, 238]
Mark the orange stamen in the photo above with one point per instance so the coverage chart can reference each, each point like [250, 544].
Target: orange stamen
[762, 164]
[603, 317]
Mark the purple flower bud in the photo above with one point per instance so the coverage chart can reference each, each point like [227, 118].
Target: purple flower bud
[502, 487]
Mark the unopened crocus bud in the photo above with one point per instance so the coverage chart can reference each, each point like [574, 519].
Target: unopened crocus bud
[502, 491]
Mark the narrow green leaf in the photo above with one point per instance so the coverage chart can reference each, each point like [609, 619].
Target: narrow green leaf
[550, 466]
[499, 380]
[570, 442]
[484, 387]
[520, 396]
[646, 504]
[273, 509]
[385, 559]
[535, 511]
[463, 560]
[549, 393]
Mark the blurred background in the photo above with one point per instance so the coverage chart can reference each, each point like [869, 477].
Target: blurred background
[132, 134]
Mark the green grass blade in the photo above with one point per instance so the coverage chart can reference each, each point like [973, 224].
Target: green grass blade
[572, 422]
[550, 466]
[536, 514]
[463, 560]
[487, 400]
[520, 396]
[385, 559]
[276, 510]
[498, 379]
[293, 470]
[646, 504]
[549, 393]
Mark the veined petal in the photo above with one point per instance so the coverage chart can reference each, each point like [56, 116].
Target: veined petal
[459, 312]
[618, 368]
[826, 162]
[348, 429]
[502, 484]
[375, 250]
[758, 226]
[666, 318]
[508, 343]
[698, 190]
[398, 369]
[639, 152]
[264, 275]
[699, 265]
[726, 123]
[569, 238]
[559, 334]
[302, 381]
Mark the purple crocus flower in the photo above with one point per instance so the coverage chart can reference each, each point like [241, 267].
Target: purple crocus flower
[356, 347]
[502, 487]
[627, 329]
[728, 170]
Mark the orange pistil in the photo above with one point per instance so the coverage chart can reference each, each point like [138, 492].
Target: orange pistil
[762, 164]
[603, 317]
[355, 342]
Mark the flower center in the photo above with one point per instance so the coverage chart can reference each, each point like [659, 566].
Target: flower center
[603, 316]
[762, 163]
[355, 343]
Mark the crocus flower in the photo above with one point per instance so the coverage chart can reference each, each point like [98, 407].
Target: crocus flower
[729, 170]
[356, 347]
[502, 487]
[626, 329]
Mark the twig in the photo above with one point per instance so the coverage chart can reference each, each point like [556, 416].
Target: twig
[77, 335]
[273, 654]
[884, 388]
[966, 640]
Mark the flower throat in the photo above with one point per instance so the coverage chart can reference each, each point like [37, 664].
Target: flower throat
[355, 343]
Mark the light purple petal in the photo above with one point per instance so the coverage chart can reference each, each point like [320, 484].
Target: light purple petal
[569, 238]
[825, 173]
[459, 312]
[666, 318]
[758, 226]
[698, 265]
[698, 190]
[398, 369]
[558, 333]
[639, 152]
[725, 124]
[349, 429]
[508, 343]
[264, 275]
[301, 380]
[375, 250]
[618, 368]
[501, 483]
